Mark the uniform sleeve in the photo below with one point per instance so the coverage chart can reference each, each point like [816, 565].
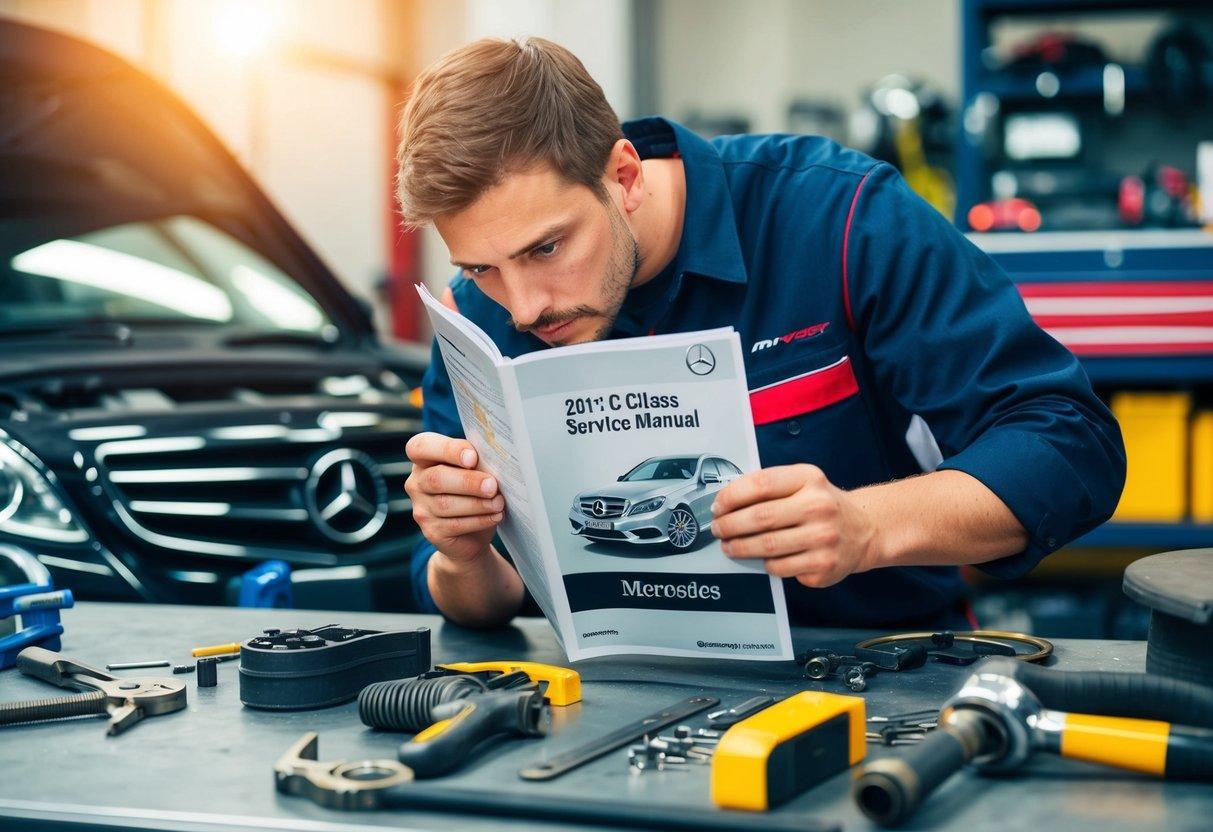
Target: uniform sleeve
[438, 414]
[948, 336]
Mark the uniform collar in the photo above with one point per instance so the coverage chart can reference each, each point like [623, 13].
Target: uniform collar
[709, 244]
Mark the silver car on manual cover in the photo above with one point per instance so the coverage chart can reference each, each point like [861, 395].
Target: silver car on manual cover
[665, 499]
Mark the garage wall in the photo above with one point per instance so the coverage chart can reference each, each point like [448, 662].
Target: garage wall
[720, 57]
[599, 32]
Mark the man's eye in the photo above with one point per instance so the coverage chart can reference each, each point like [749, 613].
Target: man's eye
[546, 250]
[476, 271]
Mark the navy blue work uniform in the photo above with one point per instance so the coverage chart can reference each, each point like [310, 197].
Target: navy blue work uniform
[860, 308]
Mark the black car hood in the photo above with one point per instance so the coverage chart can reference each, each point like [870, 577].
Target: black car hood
[88, 141]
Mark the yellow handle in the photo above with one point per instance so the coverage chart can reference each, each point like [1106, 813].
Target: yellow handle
[1134, 744]
[563, 684]
[443, 724]
[216, 649]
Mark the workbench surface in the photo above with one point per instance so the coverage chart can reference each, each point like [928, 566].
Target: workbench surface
[210, 767]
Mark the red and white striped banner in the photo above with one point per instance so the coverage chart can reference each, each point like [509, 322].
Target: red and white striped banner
[1132, 318]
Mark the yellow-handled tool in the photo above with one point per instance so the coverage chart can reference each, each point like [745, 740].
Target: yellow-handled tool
[786, 748]
[216, 649]
[996, 721]
[450, 716]
[563, 684]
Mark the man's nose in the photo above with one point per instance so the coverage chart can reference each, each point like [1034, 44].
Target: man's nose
[525, 300]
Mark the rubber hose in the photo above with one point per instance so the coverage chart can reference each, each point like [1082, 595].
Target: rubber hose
[1190, 754]
[405, 704]
[1113, 693]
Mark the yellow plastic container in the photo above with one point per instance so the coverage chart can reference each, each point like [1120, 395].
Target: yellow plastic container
[1202, 467]
[1155, 428]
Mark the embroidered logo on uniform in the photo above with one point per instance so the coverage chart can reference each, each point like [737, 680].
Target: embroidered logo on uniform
[807, 332]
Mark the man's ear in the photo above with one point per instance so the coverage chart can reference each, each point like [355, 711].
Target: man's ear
[625, 172]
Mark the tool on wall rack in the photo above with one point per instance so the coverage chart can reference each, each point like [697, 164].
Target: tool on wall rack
[1007, 710]
[38, 605]
[127, 699]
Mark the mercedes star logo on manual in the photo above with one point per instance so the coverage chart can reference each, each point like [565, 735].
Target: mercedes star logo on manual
[700, 360]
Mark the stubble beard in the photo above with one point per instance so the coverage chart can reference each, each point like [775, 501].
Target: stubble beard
[621, 273]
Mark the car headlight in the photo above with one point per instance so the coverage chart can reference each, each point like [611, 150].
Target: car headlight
[647, 506]
[29, 504]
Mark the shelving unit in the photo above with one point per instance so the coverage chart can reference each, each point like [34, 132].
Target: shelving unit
[1018, 89]
[1136, 306]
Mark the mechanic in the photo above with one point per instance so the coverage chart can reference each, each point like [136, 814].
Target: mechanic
[911, 417]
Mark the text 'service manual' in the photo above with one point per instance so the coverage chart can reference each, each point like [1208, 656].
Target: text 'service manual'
[609, 456]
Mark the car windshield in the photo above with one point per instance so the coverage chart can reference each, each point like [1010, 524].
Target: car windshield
[663, 468]
[167, 269]
[114, 208]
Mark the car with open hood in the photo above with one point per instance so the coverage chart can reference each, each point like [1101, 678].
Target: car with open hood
[186, 390]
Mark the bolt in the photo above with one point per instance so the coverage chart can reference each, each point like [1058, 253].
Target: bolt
[855, 679]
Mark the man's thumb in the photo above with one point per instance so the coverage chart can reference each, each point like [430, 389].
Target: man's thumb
[448, 299]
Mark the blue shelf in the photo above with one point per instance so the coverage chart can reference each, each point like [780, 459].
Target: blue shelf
[1158, 536]
[1163, 369]
[1084, 82]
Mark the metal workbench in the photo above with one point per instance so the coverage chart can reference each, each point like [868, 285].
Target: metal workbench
[210, 767]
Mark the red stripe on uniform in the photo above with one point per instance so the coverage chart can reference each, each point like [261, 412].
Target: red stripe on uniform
[1192, 348]
[805, 393]
[1136, 319]
[846, 239]
[1141, 288]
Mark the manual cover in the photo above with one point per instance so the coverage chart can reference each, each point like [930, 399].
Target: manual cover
[609, 455]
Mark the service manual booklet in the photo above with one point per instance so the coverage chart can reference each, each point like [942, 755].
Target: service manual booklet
[609, 456]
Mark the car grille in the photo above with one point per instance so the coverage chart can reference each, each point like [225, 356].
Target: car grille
[265, 490]
[613, 506]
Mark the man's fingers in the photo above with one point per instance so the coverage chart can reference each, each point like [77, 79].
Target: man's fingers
[759, 517]
[772, 544]
[767, 484]
[429, 448]
[448, 299]
[454, 527]
[454, 505]
[443, 479]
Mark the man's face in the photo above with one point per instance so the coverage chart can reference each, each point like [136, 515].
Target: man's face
[555, 255]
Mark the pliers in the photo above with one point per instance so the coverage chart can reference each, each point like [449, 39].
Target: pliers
[126, 699]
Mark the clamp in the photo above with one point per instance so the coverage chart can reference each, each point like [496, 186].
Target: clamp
[127, 700]
[38, 604]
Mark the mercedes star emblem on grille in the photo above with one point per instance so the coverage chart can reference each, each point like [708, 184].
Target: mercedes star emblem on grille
[599, 507]
[700, 360]
[346, 496]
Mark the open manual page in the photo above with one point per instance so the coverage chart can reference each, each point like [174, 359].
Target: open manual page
[609, 456]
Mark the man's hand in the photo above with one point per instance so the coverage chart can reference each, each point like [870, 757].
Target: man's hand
[803, 526]
[457, 507]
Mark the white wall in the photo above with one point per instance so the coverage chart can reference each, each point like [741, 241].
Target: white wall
[723, 57]
[597, 31]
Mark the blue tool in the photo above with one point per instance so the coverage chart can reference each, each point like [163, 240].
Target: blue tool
[38, 604]
[267, 585]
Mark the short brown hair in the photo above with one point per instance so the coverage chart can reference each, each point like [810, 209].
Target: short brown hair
[496, 106]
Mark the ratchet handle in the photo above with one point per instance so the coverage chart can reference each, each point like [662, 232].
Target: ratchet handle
[890, 789]
[1176, 752]
[448, 743]
[34, 710]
